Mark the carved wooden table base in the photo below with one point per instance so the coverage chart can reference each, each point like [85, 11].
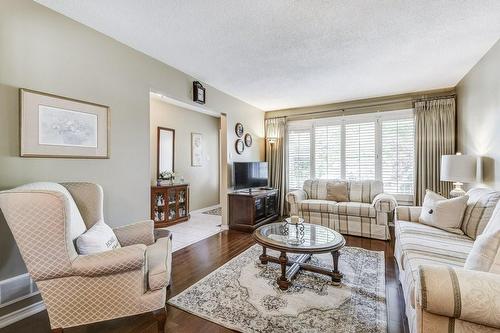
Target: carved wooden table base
[289, 268]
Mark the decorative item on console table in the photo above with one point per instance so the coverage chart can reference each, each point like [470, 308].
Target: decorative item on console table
[249, 209]
[169, 204]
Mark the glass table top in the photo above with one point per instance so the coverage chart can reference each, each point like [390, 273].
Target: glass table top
[303, 236]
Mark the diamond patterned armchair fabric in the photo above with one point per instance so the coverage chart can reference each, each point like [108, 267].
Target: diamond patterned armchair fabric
[46, 218]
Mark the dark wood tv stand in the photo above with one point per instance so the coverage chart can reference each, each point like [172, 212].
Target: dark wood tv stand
[249, 209]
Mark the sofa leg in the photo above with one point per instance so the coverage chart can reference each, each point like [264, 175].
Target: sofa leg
[57, 330]
[161, 317]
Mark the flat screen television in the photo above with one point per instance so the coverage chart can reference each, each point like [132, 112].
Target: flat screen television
[250, 174]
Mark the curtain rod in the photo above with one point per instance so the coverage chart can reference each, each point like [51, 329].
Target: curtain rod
[413, 100]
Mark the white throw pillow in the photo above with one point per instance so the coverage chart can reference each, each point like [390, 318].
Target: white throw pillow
[442, 213]
[485, 253]
[97, 239]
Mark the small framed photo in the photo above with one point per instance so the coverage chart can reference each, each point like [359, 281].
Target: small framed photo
[55, 126]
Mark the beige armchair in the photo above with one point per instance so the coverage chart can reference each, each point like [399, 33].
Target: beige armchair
[46, 218]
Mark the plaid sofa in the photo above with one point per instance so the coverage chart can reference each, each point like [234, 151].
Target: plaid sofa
[365, 214]
[440, 295]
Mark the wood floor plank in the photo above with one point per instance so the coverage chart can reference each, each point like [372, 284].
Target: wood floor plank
[198, 260]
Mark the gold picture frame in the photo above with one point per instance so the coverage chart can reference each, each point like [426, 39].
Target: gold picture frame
[52, 126]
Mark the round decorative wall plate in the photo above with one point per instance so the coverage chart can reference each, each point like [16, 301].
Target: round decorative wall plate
[240, 146]
[239, 130]
[248, 140]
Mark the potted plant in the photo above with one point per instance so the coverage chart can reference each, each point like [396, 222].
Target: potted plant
[168, 175]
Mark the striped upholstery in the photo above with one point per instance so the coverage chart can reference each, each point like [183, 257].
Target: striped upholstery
[457, 293]
[482, 202]
[365, 190]
[365, 214]
[312, 205]
[440, 295]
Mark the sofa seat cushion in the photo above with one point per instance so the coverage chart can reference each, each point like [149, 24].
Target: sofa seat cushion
[159, 262]
[429, 241]
[319, 206]
[355, 209]
[413, 259]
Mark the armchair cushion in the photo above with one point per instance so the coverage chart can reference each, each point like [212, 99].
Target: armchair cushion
[159, 262]
[136, 233]
[111, 262]
[99, 238]
[384, 203]
[472, 296]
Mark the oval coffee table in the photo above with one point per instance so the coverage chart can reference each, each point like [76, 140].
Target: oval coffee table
[304, 239]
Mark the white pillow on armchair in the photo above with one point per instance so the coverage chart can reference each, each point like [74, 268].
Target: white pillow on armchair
[99, 238]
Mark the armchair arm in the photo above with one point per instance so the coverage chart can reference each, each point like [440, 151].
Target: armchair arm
[111, 262]
[472, 296]
[384, 203]
[136, 233]
[407, 213]
[294, 198]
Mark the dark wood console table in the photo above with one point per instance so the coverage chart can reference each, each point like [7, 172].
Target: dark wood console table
[250, 209]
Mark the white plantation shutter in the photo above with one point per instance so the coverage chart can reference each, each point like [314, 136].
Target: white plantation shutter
[327, 151]
[299, 157]
[360, 151]
[372, 146]
[398, 155]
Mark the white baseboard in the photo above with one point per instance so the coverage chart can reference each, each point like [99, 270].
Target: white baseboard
[20, 314]
[201, 210]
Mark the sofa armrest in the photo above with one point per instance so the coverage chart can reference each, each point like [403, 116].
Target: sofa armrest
[408, 213]
[294, 198]
[119, 260]
[472, 296]
[385, 203]
[136, 233]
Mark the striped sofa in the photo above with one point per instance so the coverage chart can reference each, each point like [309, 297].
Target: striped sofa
[364, 214]
[440, 295]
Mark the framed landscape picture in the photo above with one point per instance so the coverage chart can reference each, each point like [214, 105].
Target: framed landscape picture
[54, 126]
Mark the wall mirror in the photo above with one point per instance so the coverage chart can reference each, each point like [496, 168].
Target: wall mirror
[166, 150]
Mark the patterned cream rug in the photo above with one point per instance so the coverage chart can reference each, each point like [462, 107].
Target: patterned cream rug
[214, 211]
[243, 295]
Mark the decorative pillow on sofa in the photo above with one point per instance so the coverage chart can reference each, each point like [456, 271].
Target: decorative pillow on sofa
[485, 253]
[99, 238]
[442, 213]
[336, 190]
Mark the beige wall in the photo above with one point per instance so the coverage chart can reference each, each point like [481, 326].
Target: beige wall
[204, 180]
[45, 51]
[478, 105]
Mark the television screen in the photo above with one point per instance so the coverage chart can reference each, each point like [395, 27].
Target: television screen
[250, 174]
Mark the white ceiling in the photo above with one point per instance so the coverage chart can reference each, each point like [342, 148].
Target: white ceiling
[278, 54]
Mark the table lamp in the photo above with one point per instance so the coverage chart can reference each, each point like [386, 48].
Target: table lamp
[458, 169]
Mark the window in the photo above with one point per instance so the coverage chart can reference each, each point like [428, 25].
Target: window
[299, 157]
[327, 151]
[360, 151]
[398, 155]
[374, 146]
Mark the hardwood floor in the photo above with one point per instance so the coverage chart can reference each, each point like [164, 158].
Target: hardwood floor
[196, 261]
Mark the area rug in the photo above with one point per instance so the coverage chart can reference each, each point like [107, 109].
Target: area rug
[242, 295]
[214, 211]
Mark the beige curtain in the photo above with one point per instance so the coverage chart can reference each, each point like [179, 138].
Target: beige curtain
[435, 123]
[275, 157]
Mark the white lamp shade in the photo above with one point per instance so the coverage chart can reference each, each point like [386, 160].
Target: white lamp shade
[458, 168]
